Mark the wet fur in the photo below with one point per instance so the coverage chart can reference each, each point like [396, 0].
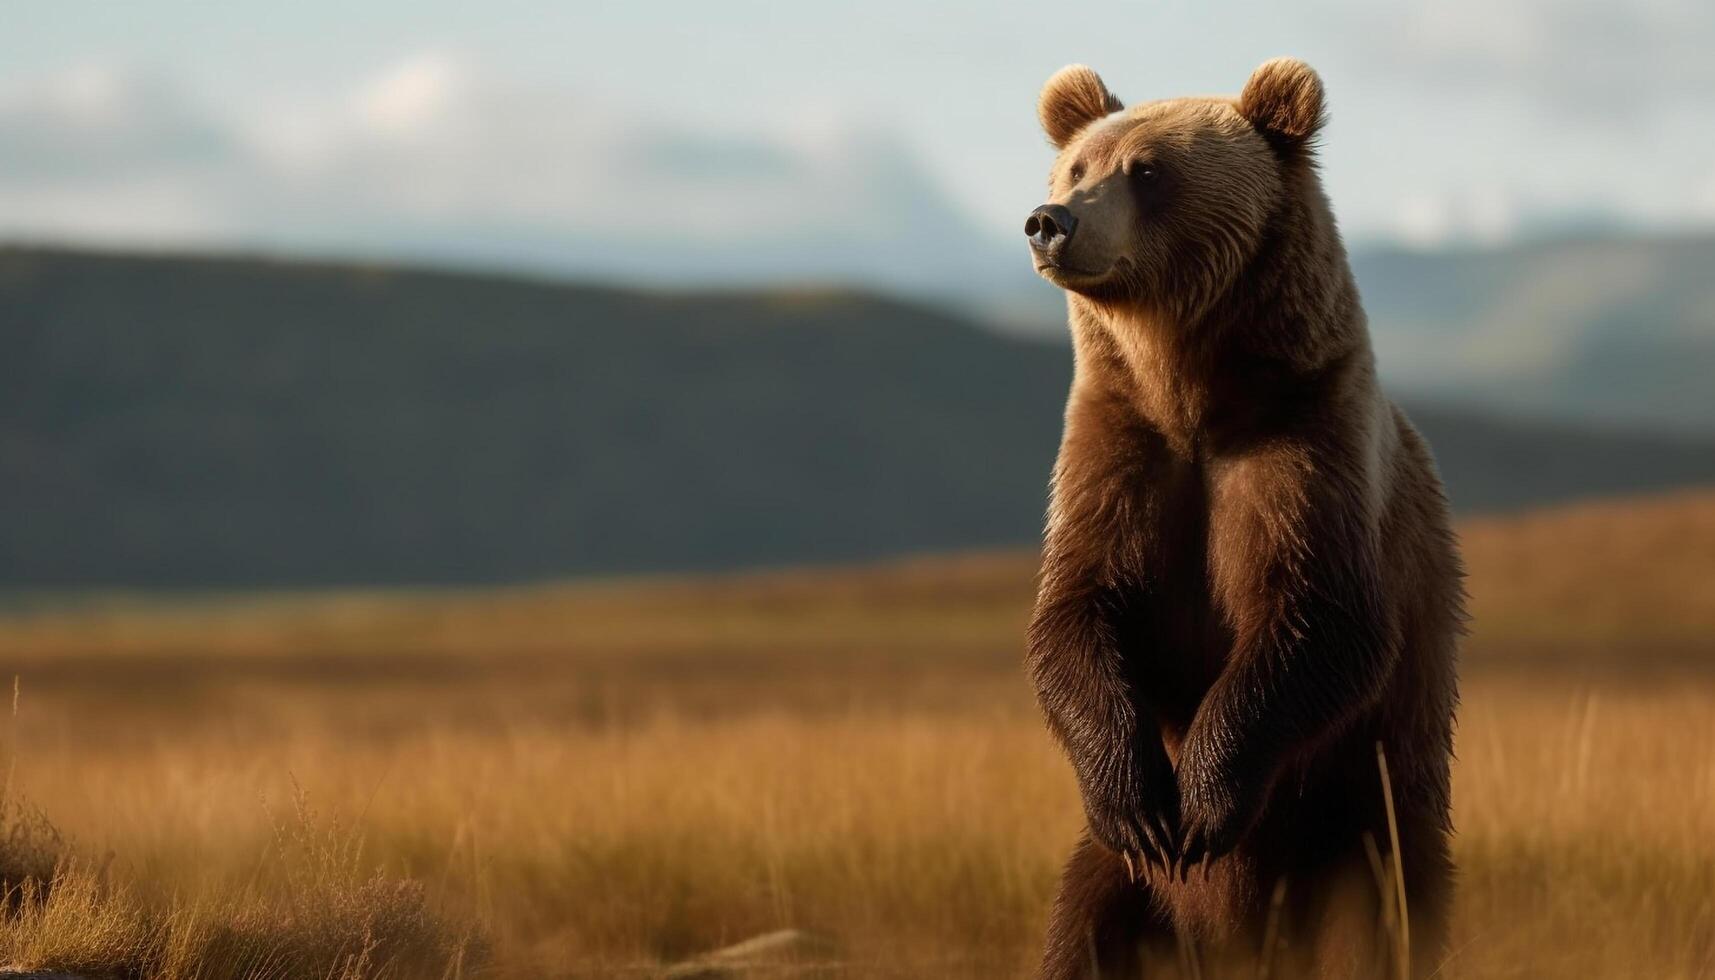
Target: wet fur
[1248, 577]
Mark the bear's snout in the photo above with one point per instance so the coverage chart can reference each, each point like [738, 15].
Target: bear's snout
[1049, 228]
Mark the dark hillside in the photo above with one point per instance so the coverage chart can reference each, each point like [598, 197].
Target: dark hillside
[195, 422]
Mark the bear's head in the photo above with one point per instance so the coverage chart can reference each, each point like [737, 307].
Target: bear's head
[1163, 204]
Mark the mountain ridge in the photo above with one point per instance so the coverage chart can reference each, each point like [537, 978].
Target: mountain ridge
[208, 421]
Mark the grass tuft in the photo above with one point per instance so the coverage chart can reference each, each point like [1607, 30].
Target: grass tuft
[321, 917]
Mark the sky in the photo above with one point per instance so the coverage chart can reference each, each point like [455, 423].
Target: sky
[748, 140]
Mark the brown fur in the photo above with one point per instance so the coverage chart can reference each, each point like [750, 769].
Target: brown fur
[1248, 577]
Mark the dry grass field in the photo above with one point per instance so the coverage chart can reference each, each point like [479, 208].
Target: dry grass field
[601, 779]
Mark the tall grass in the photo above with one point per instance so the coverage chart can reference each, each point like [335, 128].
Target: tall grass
[309, 909]
[925, 846]
[601, 781]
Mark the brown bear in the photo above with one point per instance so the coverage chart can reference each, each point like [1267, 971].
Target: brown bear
[1249, 582]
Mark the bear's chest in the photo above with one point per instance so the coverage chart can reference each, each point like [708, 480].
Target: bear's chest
[1174, 636]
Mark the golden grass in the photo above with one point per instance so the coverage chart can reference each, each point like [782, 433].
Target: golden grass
[1610, 583]
[597, 780]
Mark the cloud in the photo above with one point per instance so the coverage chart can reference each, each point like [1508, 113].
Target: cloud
[413, 94]
[1474, 121]
[434, 157]
[94, 121]
[1459, 121]
[1589, 60]
[1485, 215]
[105, 153]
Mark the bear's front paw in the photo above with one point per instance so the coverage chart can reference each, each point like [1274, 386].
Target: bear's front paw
[1133, 810]
[1215, 814]
[1132, 833]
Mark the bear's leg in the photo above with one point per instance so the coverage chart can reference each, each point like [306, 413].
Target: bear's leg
[1345, 936]
[1105, 924]
[1429, 892]
[1348, 934]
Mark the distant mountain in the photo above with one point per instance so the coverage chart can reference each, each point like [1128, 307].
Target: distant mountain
[194, 421]
[1603, 329]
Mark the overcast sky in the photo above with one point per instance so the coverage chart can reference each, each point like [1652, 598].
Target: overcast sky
[567, 126]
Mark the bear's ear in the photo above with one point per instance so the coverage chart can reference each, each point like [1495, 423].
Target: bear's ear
[1073, 98]
[1283, 99]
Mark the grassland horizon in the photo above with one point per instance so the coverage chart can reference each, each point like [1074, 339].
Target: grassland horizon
[603, 779]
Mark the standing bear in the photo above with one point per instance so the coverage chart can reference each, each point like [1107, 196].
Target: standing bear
[1249, 582]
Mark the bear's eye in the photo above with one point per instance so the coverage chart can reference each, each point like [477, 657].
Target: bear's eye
[1143, 171]
[1077, 173]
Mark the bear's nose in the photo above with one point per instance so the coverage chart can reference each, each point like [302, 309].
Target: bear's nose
[1049, 228]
